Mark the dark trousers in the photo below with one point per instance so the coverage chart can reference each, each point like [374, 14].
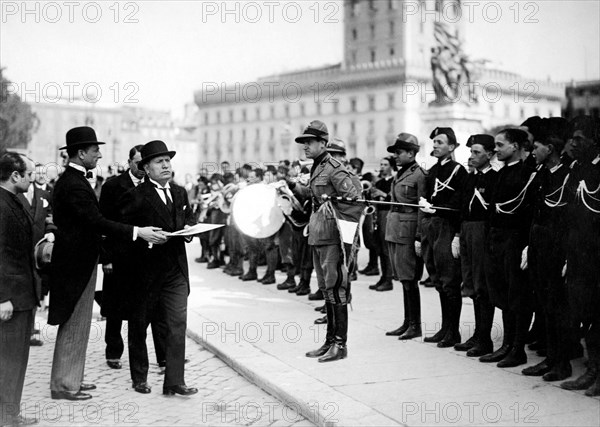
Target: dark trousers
[383, 248]
[303, 254]
[169, 302]
[332, 273]
[114, 340]
[14, 355]
[472, 258]
[235, 246]
[443, 268]
[285, 236]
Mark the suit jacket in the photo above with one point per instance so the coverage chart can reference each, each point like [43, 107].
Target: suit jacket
[17, 277]
[41, 212]
[78, 237]
[114, 252]
[142, 206]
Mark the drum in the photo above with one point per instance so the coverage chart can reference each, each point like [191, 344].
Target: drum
[256, 212]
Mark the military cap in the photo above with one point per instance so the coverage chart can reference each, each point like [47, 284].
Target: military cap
[315, 130]
[404, 141]
[486, 141]
[445, 131]
[588, 125]
[336, 146]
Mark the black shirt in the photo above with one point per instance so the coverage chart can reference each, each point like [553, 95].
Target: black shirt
[517, 214]
[385, 185]
[448, 194]
[483, 182]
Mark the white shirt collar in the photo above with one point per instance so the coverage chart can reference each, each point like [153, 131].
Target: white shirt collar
[485, 170]
[78, 167]
[596, 160]
[555, 168]
[135, 180]
[167, 186]
[446, 160]
[513, 163]
[44, 186]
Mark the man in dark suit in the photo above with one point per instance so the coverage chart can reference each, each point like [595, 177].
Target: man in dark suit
[75, 260]
[19, 291]
[37, 201]
[115, 259]
[161, 277]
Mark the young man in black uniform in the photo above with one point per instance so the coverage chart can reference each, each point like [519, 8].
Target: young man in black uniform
[475, 214]
[510, 220]
[440, 233]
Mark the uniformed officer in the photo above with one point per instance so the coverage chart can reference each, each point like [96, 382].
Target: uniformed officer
[510, 221]
[403, 228]
[329, 178]
[440, 233]
[475, 211]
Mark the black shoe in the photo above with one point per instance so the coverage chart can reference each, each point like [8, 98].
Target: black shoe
[413, 331]
[321, 308]
[450, 339]
[585, 381]
[20, 420]
[213, 264]
[267, 279]
[427, 283]
[87, 387]
[68, 395]
[288, 284]
[320, 351]
[34, 342]
[516, 357]
[317, 296]
[142, 388]
[399, 331]
[367, 268]
[465, 346]
[235, 272]
[114, 364]
[248, 276]
[304, 290]
[538, 370]
[35, 332]
[385, 286]
[370, 272]
[536, 345]
[481, 349]
[559, 372]
[179, 389]
[335, 352]
[376, 285]
[437, 337]
[201, 259]
[497, 355]
[321, 321]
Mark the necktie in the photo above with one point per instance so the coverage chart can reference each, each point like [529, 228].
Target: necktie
[89, 175]
[169, 202]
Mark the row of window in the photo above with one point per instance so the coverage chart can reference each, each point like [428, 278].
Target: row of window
[380, 5]
[352, 103]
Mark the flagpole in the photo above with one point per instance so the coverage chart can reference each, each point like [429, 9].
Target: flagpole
[377, 202]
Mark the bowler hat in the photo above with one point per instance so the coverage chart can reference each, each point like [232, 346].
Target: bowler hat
[315, 130]
[404, 141]
[445, 131]
[336, 146]
[43, 254]
[154, 149]
[486, 141]
[81, 136]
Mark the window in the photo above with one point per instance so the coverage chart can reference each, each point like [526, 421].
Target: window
[271, 133]
[335, 128]
[302, 109]
[352, 126]
[372, 28]
[353, 105]
[438, 5]
[243, 137]
[205, 138]
[392, 28]
[218, 117]
[257, 134]
[372, 55]
[336, 107]
[391, 5]
[371, 102]
[230, 139]
[205, 118]
[318, 105]
[372, 5]
[287, 110]
[231, 116]
[257, 113]
[354, 34]
[353, 56]
[391, 100]
[392, 51]
[244, 115]
[218, 141]
[272, 111]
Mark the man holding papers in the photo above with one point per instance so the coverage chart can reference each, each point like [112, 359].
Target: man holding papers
[161, 272]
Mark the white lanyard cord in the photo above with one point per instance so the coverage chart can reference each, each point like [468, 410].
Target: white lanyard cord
[439, 186]
[520, 197]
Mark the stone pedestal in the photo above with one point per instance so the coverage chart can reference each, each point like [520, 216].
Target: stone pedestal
[464, 119]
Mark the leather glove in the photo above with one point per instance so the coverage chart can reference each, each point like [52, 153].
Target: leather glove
[524, 258]
[456, 247]
[418, 248]
[49, 237]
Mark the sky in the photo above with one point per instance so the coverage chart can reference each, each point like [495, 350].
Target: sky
[157, 53]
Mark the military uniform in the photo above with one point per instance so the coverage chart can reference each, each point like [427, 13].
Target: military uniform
[329, 178]
[402, 229]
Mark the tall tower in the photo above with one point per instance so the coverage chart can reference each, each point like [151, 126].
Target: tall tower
[380, 30]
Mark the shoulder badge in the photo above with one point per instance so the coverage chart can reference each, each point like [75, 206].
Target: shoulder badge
[335, 162]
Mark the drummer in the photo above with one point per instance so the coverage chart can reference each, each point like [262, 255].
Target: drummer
[328, 177]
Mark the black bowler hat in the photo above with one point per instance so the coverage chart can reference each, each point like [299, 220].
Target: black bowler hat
[154, 149]
[445, 131]
[81, 136]
[315, 130]
[404, 141]
[486, 141]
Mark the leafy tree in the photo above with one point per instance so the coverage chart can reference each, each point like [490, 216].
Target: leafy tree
[17, 121]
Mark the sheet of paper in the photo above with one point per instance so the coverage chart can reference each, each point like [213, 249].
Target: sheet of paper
[195, 229]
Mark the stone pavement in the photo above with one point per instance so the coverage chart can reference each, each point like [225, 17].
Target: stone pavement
[224, 398]
[263, 333]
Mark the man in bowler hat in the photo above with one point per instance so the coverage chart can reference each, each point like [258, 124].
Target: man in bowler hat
[75, 260]
[161, 277]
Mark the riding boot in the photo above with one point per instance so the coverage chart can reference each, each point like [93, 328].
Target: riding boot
[404, 326]
[484, 344]
[508, 325]
[338, 350]
[444, 329]
[329, 336]
[452, 336]
[414, 306]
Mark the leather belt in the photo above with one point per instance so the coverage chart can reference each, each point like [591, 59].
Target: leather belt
[404, 209]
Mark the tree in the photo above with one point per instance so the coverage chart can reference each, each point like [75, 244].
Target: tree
[17, 121]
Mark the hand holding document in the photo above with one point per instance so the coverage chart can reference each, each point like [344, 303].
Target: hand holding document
[193, 230]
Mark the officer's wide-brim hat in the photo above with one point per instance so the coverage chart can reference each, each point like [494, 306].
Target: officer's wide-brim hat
[404, 141]
[43, 254]
[80, 137]
[315, 130]
[155, 149]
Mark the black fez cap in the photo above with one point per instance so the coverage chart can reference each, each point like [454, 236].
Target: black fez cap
[486, 141]
[445, 131]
